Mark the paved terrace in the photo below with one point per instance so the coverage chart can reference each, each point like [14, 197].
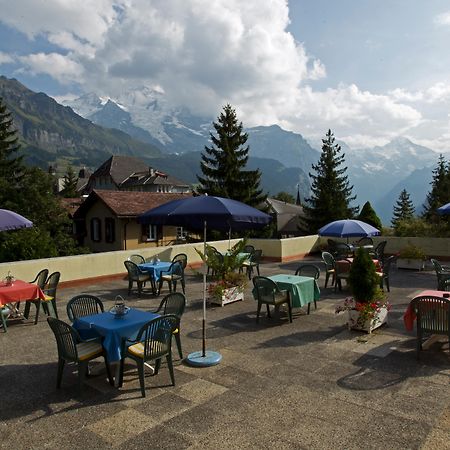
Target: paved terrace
[307, 385]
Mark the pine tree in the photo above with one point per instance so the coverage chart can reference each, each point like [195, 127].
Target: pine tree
[403, 210]
[223, 163]
[28, 191]
[70, 184]
[11, 164]
[369, 216]
[440, 191]
[331, 191]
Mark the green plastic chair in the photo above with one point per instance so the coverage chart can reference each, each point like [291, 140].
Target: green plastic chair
[267, 292]
[136, 275]
[433, 317]
[312, 271]
[71, 348]
[153, 342]
[442, 274]
[174, 304]
[84, 305]
[384, 274]
[4, 313]
[172, 275]
[137, 259]
[49, 303]
[253, 263]
[40, 280]
[330, 268]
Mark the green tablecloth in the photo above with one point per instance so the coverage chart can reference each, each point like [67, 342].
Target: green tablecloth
[303, 290]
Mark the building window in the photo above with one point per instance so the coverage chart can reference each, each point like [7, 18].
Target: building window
[150, 233]
[110, 230]
[96, 231]
[181, 233]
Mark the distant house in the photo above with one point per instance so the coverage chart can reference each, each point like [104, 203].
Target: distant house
[127, 173]
[107, 221]
[288, 217]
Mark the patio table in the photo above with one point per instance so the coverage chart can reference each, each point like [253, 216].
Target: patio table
[19, 291]
[113, 329]
[155, 269]
[344, 265]
[302, 290]
[410, 316]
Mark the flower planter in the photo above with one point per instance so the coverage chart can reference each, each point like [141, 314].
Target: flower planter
[230, 295]
[354, 323]
[414, 264]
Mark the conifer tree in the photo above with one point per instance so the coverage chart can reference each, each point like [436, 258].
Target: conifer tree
[223, 164]
[440, 190]
[331, 191]
[403, 210]
[70, 184]
[368, 215]
[28, 191]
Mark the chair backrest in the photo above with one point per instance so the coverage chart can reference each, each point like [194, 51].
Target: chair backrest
[182, 258]
[255, 257]
[248, 249]
[137, 259]
[437, 265]
[342, 250]
[132, 269]
[84, 305]
[379, 250]
[328, 259]
[156, 336]
[308, 270]
[173, 303]
[41, 278]
[265, 289]
[66, 339]
[387, 264]
[433, 314]
[52, 284]
[366, 240]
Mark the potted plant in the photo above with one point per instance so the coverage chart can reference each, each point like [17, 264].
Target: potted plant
[368, 307]
[228, 284]
[411, 257]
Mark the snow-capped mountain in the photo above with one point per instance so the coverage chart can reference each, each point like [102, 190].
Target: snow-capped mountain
[374, 172]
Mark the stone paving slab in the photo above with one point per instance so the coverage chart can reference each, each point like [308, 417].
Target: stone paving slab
[311, 384]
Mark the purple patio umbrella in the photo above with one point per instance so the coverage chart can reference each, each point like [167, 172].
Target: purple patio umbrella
[9, 220]
[348, 228]
[199, 213]
[444, 210]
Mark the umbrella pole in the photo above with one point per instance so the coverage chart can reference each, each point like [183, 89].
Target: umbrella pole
[204, 295]
[204, 358]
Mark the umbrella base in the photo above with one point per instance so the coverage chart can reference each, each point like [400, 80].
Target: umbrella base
[197, 360]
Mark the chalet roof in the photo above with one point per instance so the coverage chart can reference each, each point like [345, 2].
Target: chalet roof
[119, 167]
[152, 177]
[279, 207]
[71, 204]
[127, 204]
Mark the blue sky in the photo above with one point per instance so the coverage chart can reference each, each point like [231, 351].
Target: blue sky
[370, 70]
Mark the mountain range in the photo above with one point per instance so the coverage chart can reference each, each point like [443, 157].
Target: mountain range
[87, 130]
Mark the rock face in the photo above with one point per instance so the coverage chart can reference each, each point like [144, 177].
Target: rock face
[51, 132]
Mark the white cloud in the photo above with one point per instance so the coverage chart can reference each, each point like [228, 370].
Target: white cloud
[442, 19]
[5, 58]
[60, 67]
[203, 53]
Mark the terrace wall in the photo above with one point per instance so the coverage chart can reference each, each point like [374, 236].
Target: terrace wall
[85, 268]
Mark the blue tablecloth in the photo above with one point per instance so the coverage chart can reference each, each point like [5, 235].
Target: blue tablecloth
[155, 269]
[113, 329]
[303, 290]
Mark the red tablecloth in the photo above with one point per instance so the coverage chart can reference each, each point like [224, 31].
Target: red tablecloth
[19, 291]
[344, 264]
[410, 316]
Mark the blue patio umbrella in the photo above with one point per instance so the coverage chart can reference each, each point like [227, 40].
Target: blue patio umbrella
[10, 220]
[348, 228]
[444, 210]
[204, 212]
